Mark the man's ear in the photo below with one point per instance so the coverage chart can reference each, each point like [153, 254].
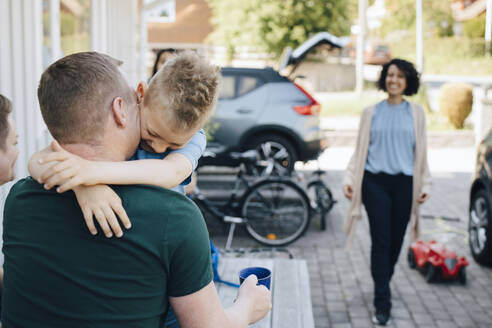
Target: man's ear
[141, 91]
[119, 112]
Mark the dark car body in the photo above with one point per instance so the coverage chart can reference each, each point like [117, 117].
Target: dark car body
[480, 210]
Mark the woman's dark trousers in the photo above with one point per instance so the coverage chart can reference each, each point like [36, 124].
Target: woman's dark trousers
[388, 201]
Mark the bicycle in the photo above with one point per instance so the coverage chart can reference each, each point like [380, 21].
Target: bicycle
[275, 211]
[321, 197]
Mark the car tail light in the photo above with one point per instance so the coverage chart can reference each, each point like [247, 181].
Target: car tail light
[313, 108]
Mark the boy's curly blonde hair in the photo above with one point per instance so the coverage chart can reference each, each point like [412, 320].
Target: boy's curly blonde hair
[186, 86]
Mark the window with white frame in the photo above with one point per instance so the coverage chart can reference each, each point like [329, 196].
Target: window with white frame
[164, 13]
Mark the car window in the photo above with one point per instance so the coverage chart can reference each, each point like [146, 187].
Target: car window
[247, 84]
[226, 87]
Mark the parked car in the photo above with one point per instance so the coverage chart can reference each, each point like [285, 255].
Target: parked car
[375, 52]
[264, 110]
[480, 211]
[260, 109]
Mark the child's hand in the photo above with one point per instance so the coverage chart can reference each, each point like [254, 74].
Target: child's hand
[71, 171]
[102, 202]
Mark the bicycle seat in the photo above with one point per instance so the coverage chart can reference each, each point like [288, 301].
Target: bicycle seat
[319, 172]
[249, 156]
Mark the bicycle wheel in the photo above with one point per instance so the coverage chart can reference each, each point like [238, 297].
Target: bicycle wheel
[277, 211]
[323, 200]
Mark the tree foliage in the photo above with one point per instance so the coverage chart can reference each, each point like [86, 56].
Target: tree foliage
[475, 27]
[401, 15]
[271, 25]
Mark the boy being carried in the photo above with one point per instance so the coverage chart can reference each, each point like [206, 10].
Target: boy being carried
[178, 101]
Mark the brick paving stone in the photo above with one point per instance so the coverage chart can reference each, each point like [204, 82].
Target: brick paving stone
[464, 321]
[440, 315]
[335, 306]
[358, 311]
[342, 325]
[338, 317]
[361, 323]
[319, 311]
[422, 319]
[445, 324]
[401, 313]
[481, 318]
[317, 300]
[334, 296]
[402, 323]
[418, 309]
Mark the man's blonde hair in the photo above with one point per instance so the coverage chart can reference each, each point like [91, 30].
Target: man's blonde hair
[186, 85]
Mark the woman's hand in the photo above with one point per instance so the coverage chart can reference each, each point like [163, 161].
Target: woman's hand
[102, 202]
[70, 171]
[348, 191]
[423, 197]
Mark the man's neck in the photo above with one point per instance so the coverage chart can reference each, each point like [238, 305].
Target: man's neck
[94, 152]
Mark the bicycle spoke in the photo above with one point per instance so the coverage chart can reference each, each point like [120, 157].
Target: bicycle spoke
[287, 215]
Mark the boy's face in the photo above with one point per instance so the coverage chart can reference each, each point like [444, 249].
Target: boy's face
[157, 134]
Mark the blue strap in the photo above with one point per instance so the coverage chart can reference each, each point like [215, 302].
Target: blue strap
[215, 264]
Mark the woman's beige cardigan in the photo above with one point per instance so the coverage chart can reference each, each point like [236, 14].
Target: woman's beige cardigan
[355, 170]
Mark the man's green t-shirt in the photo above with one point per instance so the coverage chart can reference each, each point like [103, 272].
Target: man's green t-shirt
[58, 275]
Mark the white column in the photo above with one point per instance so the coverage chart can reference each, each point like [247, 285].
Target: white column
[55, 33]
[359, 65]
[143, 46]
[488, 27]
[99, 24]
[114, 31]
[419, 38]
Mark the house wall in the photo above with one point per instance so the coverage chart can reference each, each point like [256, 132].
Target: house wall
[191, 28]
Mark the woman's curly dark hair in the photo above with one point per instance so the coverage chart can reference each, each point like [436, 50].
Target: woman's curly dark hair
[411, 75]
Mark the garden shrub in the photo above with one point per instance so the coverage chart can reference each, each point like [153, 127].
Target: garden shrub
[455, 102]
[475, 27]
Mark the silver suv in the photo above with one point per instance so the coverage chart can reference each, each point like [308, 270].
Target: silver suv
[260, 109]
[263, 110]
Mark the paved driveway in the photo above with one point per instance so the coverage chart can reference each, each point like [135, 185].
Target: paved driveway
[341, 285]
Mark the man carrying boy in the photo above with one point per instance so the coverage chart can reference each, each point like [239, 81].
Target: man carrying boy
[56, 274]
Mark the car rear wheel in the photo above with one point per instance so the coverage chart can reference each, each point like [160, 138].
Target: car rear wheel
[277, 155]
[479, 228]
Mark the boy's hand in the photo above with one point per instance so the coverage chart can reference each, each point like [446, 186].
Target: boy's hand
[71, 171]
[102, 202]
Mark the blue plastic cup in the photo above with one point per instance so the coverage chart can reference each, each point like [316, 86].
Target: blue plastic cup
[263, 274]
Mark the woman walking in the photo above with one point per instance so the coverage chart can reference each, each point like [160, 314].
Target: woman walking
[389, 174]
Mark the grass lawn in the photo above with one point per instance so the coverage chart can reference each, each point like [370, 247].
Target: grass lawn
[349, 104]
[451, 55]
